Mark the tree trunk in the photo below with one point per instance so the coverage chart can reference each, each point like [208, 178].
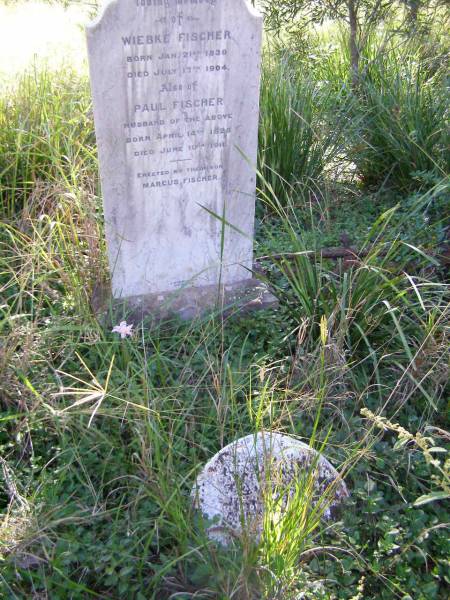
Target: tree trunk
[354, 49]
[414, 6]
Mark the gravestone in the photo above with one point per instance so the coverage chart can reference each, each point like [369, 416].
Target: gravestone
[175, 87]
[234, 487]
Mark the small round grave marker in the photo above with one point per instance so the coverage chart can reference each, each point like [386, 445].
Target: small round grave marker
[230, 489]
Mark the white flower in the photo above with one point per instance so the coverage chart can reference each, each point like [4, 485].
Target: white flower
[123, 329]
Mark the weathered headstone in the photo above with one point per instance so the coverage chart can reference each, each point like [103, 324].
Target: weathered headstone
[175, 87]
[232, 489]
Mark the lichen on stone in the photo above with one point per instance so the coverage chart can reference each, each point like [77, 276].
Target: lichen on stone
[231, 489]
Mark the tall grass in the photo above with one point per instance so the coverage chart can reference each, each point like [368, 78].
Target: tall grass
[376, 305]
[401, 122]
[298, 134]
[394, 127]
[46, 135]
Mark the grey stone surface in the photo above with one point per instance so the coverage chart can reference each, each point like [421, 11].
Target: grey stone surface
[175, 87]
[190, 303]
[229, 491]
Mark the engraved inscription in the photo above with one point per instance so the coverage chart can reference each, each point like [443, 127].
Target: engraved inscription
[175, 87]
[188, 53]
[185, 53]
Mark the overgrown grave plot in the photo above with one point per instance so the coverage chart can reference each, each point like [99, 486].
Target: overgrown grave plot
[104, 509]
[173, 399]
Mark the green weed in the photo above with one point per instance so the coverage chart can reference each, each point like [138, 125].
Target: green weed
[101, 438]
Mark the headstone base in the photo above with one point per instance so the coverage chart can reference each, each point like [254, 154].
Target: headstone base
[190, 303]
